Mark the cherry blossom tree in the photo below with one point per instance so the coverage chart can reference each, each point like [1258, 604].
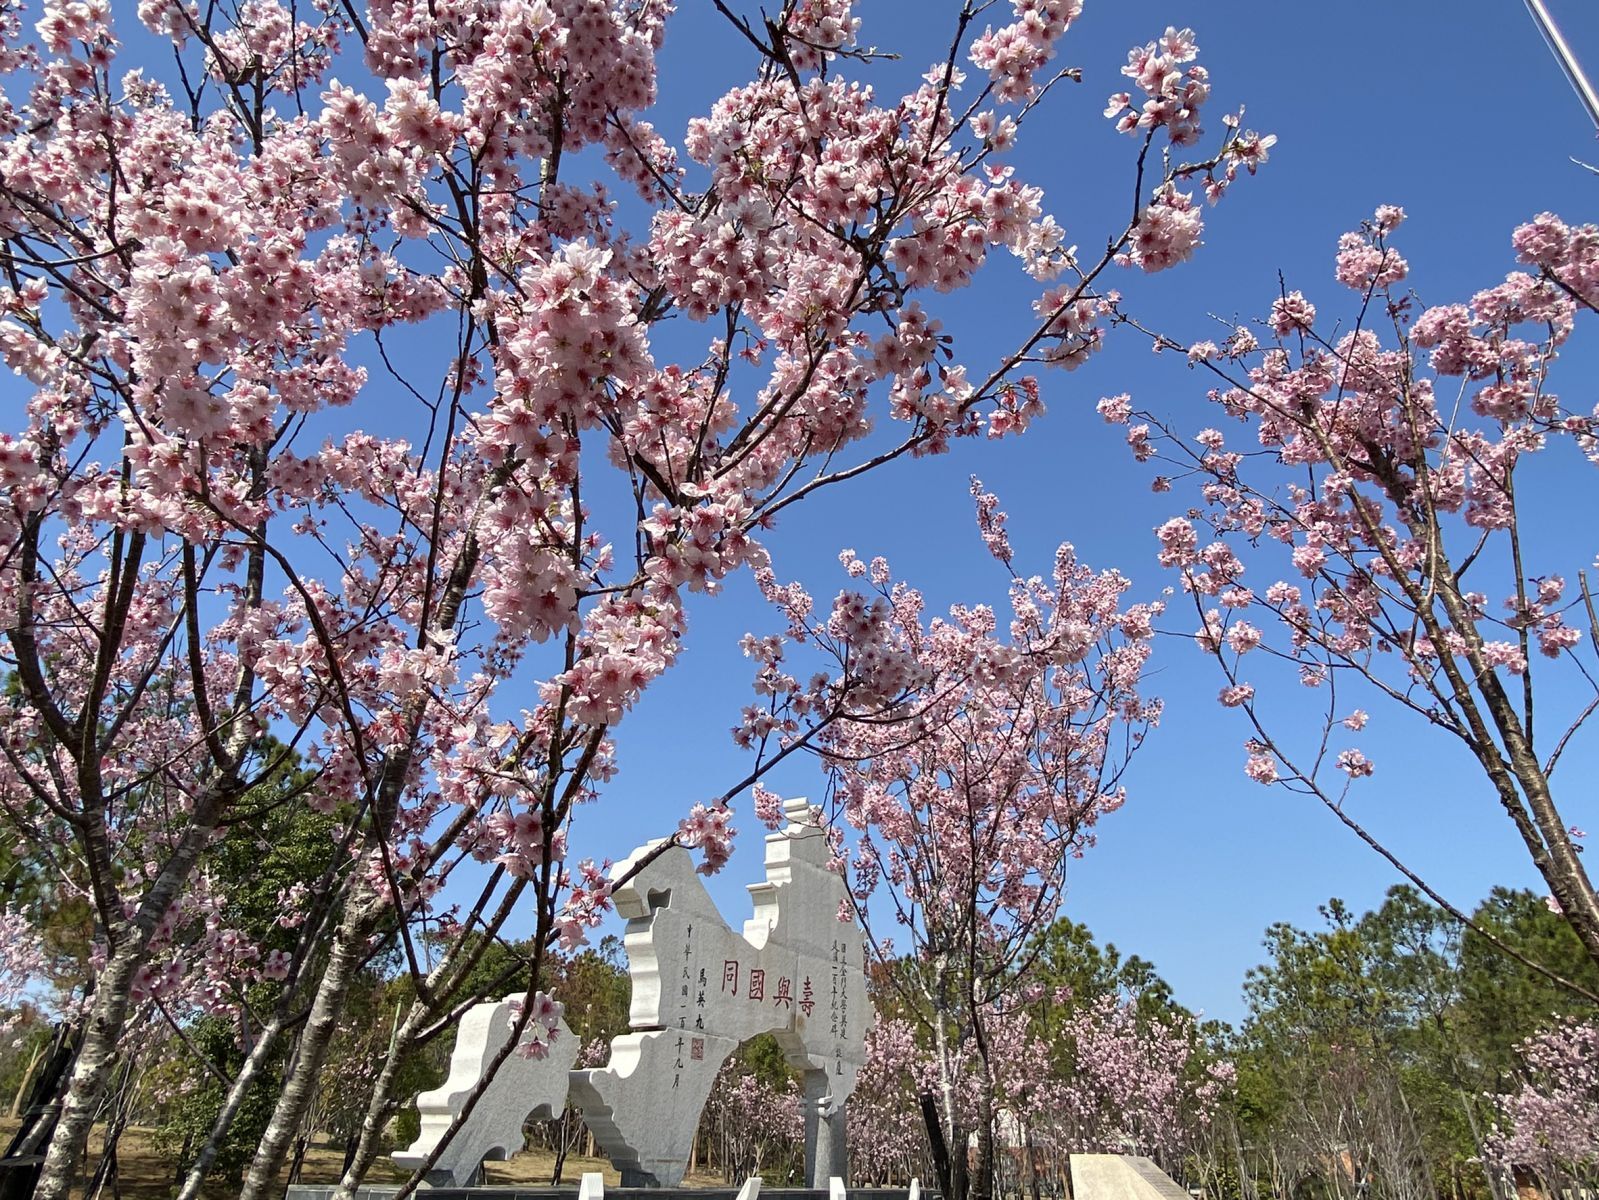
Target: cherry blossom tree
[258, 551]
[755, 1124]
[1137, 1080]
[887, 1139]
[1115, 1072]
[891, 1139]
[22, 965]
[1551, 1123]
[967, 807]
[1370, 528]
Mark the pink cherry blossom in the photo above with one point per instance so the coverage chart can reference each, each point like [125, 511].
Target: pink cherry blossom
[370, 448]
[966, 811]
[1550, 1124]
[1395, 453]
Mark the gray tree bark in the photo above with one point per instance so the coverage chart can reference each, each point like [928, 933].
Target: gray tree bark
[299, 1084]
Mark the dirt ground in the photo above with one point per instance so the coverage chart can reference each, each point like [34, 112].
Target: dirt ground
[143, 1175]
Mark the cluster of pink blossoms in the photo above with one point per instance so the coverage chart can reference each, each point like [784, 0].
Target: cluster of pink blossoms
[1015, 53]
[1550, 1124]
[1386, 468]
[1173, 90]
[543, 1025]
[1132, 1076]
[346, 425]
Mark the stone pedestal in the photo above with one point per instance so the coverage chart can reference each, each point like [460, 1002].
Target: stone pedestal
[832, 1145]
[826, 1145]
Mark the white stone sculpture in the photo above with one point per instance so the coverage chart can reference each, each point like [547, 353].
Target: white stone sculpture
[522, 1087]
[699, 990]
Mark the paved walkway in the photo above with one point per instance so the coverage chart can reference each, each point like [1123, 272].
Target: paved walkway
[1121, 1177]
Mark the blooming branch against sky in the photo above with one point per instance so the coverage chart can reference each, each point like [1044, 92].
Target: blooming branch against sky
[1200, 859]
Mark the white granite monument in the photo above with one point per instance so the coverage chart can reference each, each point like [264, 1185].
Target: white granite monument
[699, 990]
[522, 1087]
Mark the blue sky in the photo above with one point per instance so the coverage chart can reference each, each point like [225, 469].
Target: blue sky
[1454, 110]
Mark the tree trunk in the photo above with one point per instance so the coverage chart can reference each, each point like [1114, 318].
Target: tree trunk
[27, 1078]
[564, 1137]
[381, 1104]
[265, 1046]
[959, 1164]
[302, 1146]
[299, 1084]
[91, 1073]
[981, 1186]
[935, 1145]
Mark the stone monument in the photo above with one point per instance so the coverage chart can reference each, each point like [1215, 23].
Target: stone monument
[700, 989]
[522, 1087]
